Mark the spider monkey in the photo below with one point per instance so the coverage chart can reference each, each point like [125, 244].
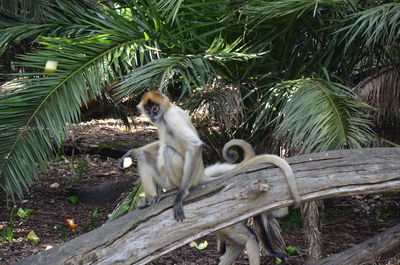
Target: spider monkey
[175, 161]
[260, 221]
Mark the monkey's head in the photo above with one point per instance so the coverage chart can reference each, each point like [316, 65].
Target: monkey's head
[153, 105]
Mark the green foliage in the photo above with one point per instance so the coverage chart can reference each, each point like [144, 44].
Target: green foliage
[83, 163]
[93, 215]
[73, 199]
[37, 106]
[376, 26]
[328, 214]
[385, 212]
[293, 219]
[336, 118]
[128, 204]
[8, 230]
[278, 55]
[64, 233]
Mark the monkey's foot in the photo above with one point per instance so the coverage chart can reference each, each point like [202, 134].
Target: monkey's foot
[144, 203]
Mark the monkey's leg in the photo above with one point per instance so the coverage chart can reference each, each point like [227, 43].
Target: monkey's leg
[149, 176]
[237, 237]
[221, 243]
[170, 179]
[173, 167]
[233, 250]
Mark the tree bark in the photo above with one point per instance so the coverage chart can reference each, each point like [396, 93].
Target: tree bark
[143, 235]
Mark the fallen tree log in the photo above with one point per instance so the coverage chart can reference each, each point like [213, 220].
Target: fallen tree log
[106, 146]
[366, 251]
[143, 235]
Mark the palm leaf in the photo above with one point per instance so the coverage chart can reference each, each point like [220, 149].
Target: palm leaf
[128, 204]
[374, 26]
[36, 106]
[169, 9]
[188, 71]
[322, 115]
[29, 20]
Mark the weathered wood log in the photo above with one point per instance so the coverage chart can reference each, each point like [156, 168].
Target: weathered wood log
[114, 147]
[143, 235]
[366, 251]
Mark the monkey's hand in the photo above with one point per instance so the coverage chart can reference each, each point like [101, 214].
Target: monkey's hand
[128, 154]
[178, 206]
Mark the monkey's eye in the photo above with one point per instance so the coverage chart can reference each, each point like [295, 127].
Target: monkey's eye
[155, 108]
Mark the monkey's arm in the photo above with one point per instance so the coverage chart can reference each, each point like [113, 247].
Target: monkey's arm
[190, 171]
[193, 169]
[151, 148]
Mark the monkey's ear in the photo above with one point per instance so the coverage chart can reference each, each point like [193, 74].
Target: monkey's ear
[140, 107]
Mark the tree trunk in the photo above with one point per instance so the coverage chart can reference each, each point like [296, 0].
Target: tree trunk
[143, 235]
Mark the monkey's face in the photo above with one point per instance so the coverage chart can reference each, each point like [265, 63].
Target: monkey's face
[153, 111]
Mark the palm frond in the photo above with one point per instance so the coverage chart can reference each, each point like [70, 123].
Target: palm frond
[222, 51]
[266, 103]
[169, 9]
[25, 8]
[374, 26]
[276, 9]
[323, 115]
[29, 20]
[188, 72]
[127, 205]
[184, 71]
[266, 10]
[37, 106]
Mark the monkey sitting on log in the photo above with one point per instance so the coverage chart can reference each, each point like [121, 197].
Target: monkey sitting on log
[175, 162]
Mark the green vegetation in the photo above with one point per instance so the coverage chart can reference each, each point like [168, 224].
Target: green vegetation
[8, 230]
[268, 71]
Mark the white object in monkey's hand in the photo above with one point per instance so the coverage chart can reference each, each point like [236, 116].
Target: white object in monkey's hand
[51, 66]
[127, 162]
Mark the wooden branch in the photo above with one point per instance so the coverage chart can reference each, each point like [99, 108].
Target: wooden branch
[143, 235]
[378, 245]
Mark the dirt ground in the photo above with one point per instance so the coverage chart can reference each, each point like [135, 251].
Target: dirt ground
[345, 221]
